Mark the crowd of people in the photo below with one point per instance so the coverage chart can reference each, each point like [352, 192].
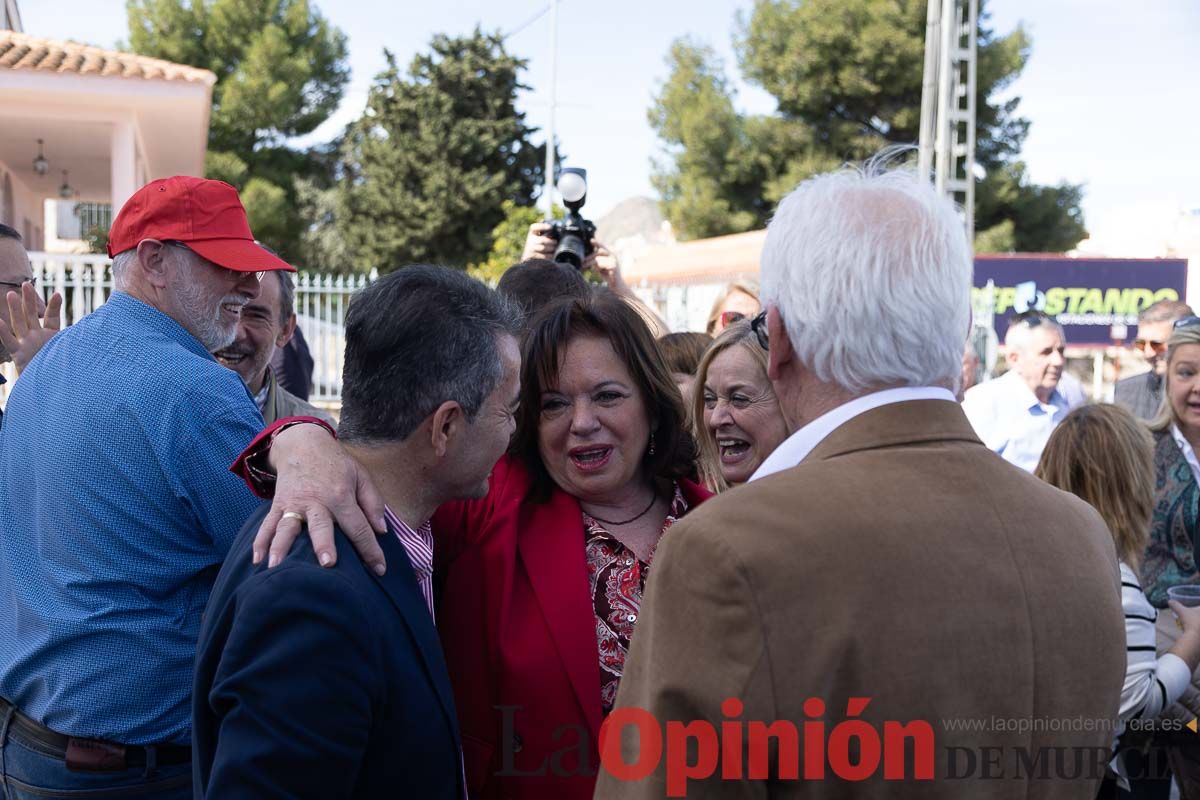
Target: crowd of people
[539, 511]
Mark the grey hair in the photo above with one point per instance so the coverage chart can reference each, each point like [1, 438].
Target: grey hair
[1164, 311]
[122, 265]
[1020, 332]
[871, 271]
[287, 296]
[416, 338]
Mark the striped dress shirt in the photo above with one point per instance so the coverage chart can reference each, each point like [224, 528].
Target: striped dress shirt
[418, 544]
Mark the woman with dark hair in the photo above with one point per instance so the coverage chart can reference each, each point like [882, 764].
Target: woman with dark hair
[541, 580]
[683, 352]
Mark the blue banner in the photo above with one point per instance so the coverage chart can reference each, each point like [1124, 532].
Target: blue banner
[1088, 296]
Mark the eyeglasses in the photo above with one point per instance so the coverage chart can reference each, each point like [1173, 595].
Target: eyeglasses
[175, 243]
[17, 285]
[759, 326]
[1156, 346]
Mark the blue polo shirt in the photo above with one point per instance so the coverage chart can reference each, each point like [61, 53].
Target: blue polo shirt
[117, 508]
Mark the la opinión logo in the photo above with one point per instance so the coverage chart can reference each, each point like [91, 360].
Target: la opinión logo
[854, 749]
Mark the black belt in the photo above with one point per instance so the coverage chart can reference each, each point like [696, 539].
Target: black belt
[92, 755]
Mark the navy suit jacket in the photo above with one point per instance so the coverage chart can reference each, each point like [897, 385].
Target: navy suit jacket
[322, 683]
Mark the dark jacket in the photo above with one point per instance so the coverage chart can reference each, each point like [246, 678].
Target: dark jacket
[1141, 394]
[282, 404]
[293, 365]
[314, 682]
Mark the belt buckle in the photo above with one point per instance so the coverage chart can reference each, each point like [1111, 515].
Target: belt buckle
[93, 755]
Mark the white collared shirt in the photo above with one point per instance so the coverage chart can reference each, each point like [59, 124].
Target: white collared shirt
[1189, 452]
[1011, 421]
[260, 399]
[797, 446]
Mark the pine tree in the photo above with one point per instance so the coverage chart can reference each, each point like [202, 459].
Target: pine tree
[425, 173]
[281, 70]
[846, 75]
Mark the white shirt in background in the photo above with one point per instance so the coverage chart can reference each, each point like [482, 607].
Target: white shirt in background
[1011, 421]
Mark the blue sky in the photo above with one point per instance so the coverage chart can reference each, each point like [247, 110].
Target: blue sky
[1111, 88]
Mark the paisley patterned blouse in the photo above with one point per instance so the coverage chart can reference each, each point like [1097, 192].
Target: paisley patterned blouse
[1170, 557]
[617, 579]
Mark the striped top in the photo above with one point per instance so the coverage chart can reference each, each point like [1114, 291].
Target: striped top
[418, 545]
[1151, 684]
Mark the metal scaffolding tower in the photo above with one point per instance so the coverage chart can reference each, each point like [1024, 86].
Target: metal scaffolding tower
[947, 145]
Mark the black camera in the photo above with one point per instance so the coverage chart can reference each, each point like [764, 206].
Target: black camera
[573, 234]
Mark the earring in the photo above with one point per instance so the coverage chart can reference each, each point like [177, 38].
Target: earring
[651, 444]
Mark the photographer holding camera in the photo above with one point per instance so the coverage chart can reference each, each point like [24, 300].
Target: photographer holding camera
[572, 241]
[540, 244]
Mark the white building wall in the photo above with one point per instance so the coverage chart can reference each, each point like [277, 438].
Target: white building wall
[27, 214]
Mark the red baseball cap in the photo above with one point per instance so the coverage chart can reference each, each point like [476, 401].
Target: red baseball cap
[206, 215]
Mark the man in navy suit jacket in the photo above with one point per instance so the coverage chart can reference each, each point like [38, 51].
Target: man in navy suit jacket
[329, 682]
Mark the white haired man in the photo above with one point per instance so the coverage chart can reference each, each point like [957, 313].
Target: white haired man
[1015, 414]
[117, 506]
[881, 564]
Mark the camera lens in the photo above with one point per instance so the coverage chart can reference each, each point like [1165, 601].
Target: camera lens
[571, 250]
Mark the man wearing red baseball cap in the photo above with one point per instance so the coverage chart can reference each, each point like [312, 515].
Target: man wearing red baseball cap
[216, 261]
[114, 533]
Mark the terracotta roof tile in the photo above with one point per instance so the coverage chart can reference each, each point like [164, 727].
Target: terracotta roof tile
[20, 51]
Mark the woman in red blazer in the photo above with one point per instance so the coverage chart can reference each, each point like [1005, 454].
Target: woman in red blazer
[540, 581]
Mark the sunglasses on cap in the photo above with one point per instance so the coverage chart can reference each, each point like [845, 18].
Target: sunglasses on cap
[1186, 322]
[183, 246]
[1031, 318]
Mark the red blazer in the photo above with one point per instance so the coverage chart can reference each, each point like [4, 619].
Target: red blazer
[516, 622]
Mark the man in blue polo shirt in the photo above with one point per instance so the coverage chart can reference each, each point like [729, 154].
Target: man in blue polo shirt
[117, 506]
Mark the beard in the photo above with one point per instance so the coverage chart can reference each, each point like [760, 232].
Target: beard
[202, 316]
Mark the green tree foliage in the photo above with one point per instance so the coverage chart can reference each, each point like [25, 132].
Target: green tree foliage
[704, 190]
[508, 241]
[1012, 214]
[281, 70]
[425, 172]
[846, 76]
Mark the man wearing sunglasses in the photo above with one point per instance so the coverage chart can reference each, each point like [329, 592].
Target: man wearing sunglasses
[116, 504]
[1142, 394]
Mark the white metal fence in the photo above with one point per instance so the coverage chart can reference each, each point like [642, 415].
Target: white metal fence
[85, 282]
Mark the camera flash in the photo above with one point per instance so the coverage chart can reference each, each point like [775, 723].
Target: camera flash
[572, 187]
